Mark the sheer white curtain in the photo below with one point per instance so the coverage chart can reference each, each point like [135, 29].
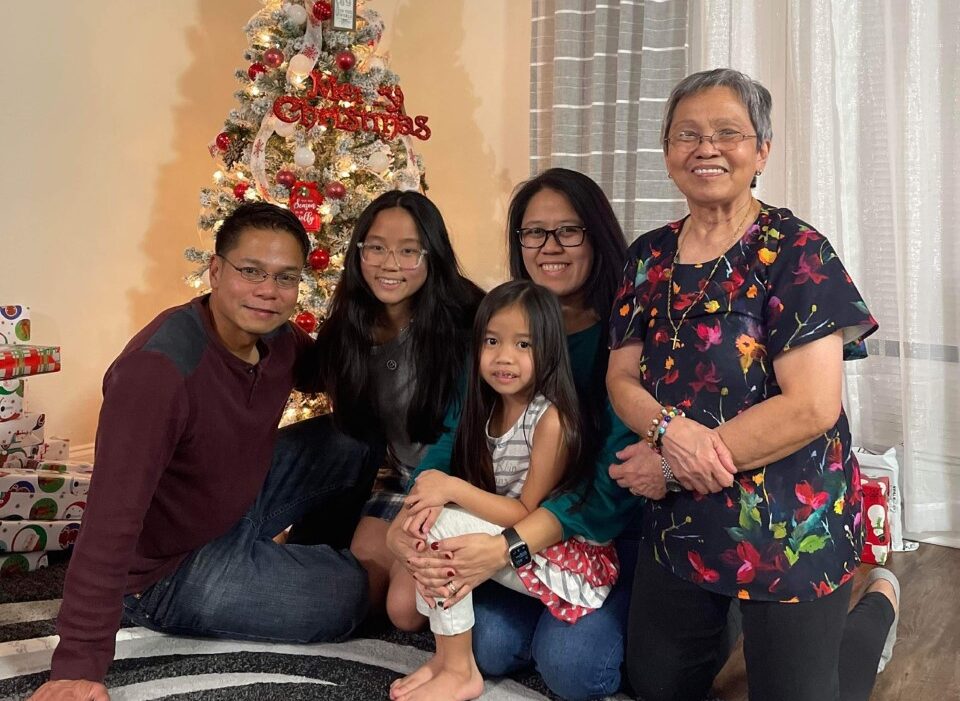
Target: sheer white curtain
[600, 73]
[866, 103]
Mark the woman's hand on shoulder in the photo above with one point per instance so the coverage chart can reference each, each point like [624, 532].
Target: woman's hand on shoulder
[639, 471]
[698, 457]
[431, 488]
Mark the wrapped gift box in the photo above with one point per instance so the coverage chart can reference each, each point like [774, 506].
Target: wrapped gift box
[11, 399]
[14, 324]
[16, 430]
[38, 506]
[21, 440]
[57, 449]
[20, 563]
[81, 468]
[876, 546]
[20, 456]
[33, 481]
[37, 536]
[23, 361]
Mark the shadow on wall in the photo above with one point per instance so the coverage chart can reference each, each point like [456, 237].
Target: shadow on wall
[206, 88]
[428, 39]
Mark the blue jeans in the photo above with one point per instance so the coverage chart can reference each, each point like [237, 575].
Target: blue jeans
[577, 661]
[245, 586]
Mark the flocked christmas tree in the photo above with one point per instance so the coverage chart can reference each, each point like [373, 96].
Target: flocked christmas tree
[320, 128]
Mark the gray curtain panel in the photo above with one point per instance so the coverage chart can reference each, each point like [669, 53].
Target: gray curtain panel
[600, 74]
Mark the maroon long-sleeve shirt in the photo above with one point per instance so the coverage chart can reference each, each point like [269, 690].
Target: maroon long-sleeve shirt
[183, 447]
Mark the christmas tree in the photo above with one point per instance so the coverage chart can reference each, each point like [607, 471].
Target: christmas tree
[320, 128]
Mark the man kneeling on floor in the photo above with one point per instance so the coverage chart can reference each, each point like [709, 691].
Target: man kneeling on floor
[192, 480]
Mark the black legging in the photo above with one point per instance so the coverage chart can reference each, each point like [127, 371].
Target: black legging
[808, 651]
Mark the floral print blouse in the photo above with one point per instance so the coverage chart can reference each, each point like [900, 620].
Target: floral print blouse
[791, 530]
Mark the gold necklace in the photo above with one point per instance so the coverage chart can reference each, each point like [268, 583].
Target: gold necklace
[675, 339]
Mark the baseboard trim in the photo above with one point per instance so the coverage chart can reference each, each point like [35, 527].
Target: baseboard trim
[81, 453]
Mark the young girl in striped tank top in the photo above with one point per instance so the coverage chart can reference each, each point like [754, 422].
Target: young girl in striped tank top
[518, 441]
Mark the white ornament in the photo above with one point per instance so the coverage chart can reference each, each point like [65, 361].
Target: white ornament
[285, 129]
[300, 65]
[378, 162]
[304, 157]
[296, 13]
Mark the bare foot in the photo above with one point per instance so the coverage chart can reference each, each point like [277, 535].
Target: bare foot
[448, 685]
[419, 677]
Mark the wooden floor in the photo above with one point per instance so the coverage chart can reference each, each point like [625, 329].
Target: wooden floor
[926, 660]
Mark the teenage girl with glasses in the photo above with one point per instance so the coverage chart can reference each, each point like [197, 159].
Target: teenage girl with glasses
[391, 357]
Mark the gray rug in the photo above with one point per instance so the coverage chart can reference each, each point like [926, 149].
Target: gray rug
[150, 665]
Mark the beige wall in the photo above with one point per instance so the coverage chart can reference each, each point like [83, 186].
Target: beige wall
[109, 107]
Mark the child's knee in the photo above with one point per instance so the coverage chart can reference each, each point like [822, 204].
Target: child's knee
[402, 604]
[404, 615]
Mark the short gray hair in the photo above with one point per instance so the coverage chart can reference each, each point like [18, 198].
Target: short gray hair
[752, 94]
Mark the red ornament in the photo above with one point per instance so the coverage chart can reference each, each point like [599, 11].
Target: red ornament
[223, 141]
[322, 11]
[306, 321]
[305, 201]
[256, 69]
[335, 190]
[273, 57]
[240, 189]
[346, 60]
[319, 258]
[286, 178]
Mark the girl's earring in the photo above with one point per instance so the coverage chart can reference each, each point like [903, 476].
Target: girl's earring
[757, 174]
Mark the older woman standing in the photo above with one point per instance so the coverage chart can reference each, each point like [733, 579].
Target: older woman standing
[736, 317]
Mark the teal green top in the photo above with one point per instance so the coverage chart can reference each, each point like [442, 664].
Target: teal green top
[608, 508]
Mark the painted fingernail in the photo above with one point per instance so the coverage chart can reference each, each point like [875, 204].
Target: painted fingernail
[450, 573]
[449, 556]
[434, 546]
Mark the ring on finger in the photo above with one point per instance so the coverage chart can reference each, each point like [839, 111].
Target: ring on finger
[452, 587]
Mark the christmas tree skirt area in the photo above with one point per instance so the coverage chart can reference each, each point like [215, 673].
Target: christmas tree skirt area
[150, 665]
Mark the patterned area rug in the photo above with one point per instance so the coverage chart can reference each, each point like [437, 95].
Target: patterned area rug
[150, 665]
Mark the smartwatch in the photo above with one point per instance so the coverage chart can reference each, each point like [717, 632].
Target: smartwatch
[517, 549]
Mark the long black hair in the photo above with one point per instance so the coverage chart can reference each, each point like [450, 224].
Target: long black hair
[552, 378]
[609, 257]
[443, 310]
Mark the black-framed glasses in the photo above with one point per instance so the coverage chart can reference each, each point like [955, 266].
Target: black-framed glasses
[407, 257]
[723, 139]
[285, 280]
[568, 236]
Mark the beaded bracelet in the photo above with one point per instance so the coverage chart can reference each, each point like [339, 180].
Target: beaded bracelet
[658, 426]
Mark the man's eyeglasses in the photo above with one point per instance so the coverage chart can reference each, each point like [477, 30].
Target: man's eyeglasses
[286, 280]
[568, 236]
[723, 140]
[408, 258]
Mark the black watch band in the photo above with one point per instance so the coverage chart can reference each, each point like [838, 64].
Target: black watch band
[516, 548]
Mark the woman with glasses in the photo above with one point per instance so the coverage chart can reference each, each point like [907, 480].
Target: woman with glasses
[728, 335]
[563, 235]
[391, 355]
